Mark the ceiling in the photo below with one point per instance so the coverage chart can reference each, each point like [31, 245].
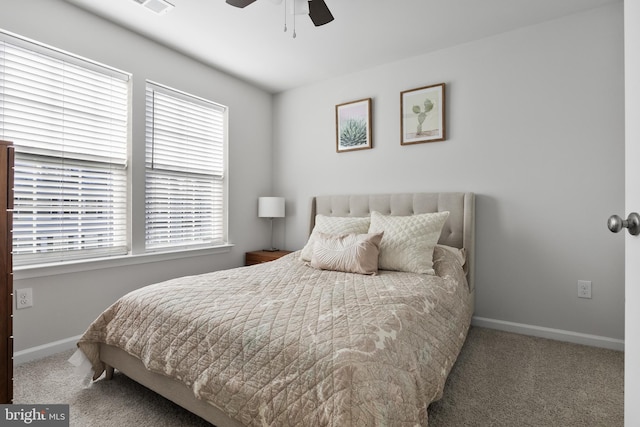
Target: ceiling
[251, 44]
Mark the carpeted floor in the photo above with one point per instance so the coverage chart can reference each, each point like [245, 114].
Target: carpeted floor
[500, 379]
[504, 379]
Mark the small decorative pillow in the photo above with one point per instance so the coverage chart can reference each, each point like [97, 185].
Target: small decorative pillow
[408, 240]
[334, 225]
[351, 253]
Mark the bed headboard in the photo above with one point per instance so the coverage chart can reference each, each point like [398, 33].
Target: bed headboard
[458, 231]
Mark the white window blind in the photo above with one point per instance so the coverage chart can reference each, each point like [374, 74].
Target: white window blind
[68, 120]
[185, 170]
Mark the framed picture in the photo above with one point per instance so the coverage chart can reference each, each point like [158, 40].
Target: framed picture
[353, 126]
[422, 115]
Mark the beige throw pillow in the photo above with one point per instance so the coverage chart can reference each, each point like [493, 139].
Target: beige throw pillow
[351, 253]
[408, 241]
[334, 225]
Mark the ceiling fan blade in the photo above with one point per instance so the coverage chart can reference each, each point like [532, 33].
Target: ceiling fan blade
[240, 3]
[319, 12]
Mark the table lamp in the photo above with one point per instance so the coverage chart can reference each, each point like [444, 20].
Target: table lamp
[271, 207]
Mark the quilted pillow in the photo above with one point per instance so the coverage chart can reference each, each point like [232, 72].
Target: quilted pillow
[334, 225]
[408, 241]
[351, 253]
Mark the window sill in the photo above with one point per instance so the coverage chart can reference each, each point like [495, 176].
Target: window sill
[42, 270]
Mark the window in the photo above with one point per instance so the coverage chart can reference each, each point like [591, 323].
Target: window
[68, 121]
[185, 170]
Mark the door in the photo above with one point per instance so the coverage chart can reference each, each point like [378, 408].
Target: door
[632, 204]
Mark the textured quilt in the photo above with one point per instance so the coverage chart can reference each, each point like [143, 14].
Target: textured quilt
[284, 344]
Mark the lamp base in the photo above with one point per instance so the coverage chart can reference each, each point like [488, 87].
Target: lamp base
[271, 250]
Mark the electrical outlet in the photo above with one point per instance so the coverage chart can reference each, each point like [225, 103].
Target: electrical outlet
[24, 298]
[584, 289]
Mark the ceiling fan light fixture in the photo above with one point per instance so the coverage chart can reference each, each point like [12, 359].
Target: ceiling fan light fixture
[299, 7]
[316, 9]
[159, 7]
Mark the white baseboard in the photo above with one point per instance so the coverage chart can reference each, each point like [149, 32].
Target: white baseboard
[554, 334]
[49, 349]
[52, 348]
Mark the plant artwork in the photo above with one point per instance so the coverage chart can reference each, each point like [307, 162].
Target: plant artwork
[422, 115]
[353, 125]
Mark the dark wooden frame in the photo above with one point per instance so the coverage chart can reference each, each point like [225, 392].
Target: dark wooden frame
[366, 103]
[433, 92]
[6, 272]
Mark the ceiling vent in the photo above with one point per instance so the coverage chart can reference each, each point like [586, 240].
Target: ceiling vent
[157, 6]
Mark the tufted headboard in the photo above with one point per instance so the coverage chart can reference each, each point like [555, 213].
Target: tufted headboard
[458, 231]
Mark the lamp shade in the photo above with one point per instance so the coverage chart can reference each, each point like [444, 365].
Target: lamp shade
[271, 207]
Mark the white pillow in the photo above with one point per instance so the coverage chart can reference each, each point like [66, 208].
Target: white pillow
[334, 225]
[351, 253]
[408, 241]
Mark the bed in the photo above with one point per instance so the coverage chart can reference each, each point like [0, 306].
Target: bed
[303, 340]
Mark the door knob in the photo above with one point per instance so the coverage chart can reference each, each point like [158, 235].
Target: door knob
[615, 223]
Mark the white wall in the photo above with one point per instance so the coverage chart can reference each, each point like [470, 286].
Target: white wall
[65, 304]
[535, 128]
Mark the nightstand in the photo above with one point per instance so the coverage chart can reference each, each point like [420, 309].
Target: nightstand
[257, 257]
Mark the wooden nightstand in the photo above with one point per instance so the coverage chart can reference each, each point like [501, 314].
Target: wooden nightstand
[257, 257]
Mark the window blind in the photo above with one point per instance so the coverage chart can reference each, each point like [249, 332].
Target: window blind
[68, 121]
[185, 169]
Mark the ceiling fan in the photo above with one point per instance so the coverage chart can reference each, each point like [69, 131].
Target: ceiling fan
[317, 9]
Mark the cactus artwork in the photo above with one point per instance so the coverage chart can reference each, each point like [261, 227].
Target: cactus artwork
[422, 114]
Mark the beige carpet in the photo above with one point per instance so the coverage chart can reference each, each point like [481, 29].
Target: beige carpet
[500, 379]
[503, 379]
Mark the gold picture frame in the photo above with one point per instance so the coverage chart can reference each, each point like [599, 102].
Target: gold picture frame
[422, 115]
[353, 126]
